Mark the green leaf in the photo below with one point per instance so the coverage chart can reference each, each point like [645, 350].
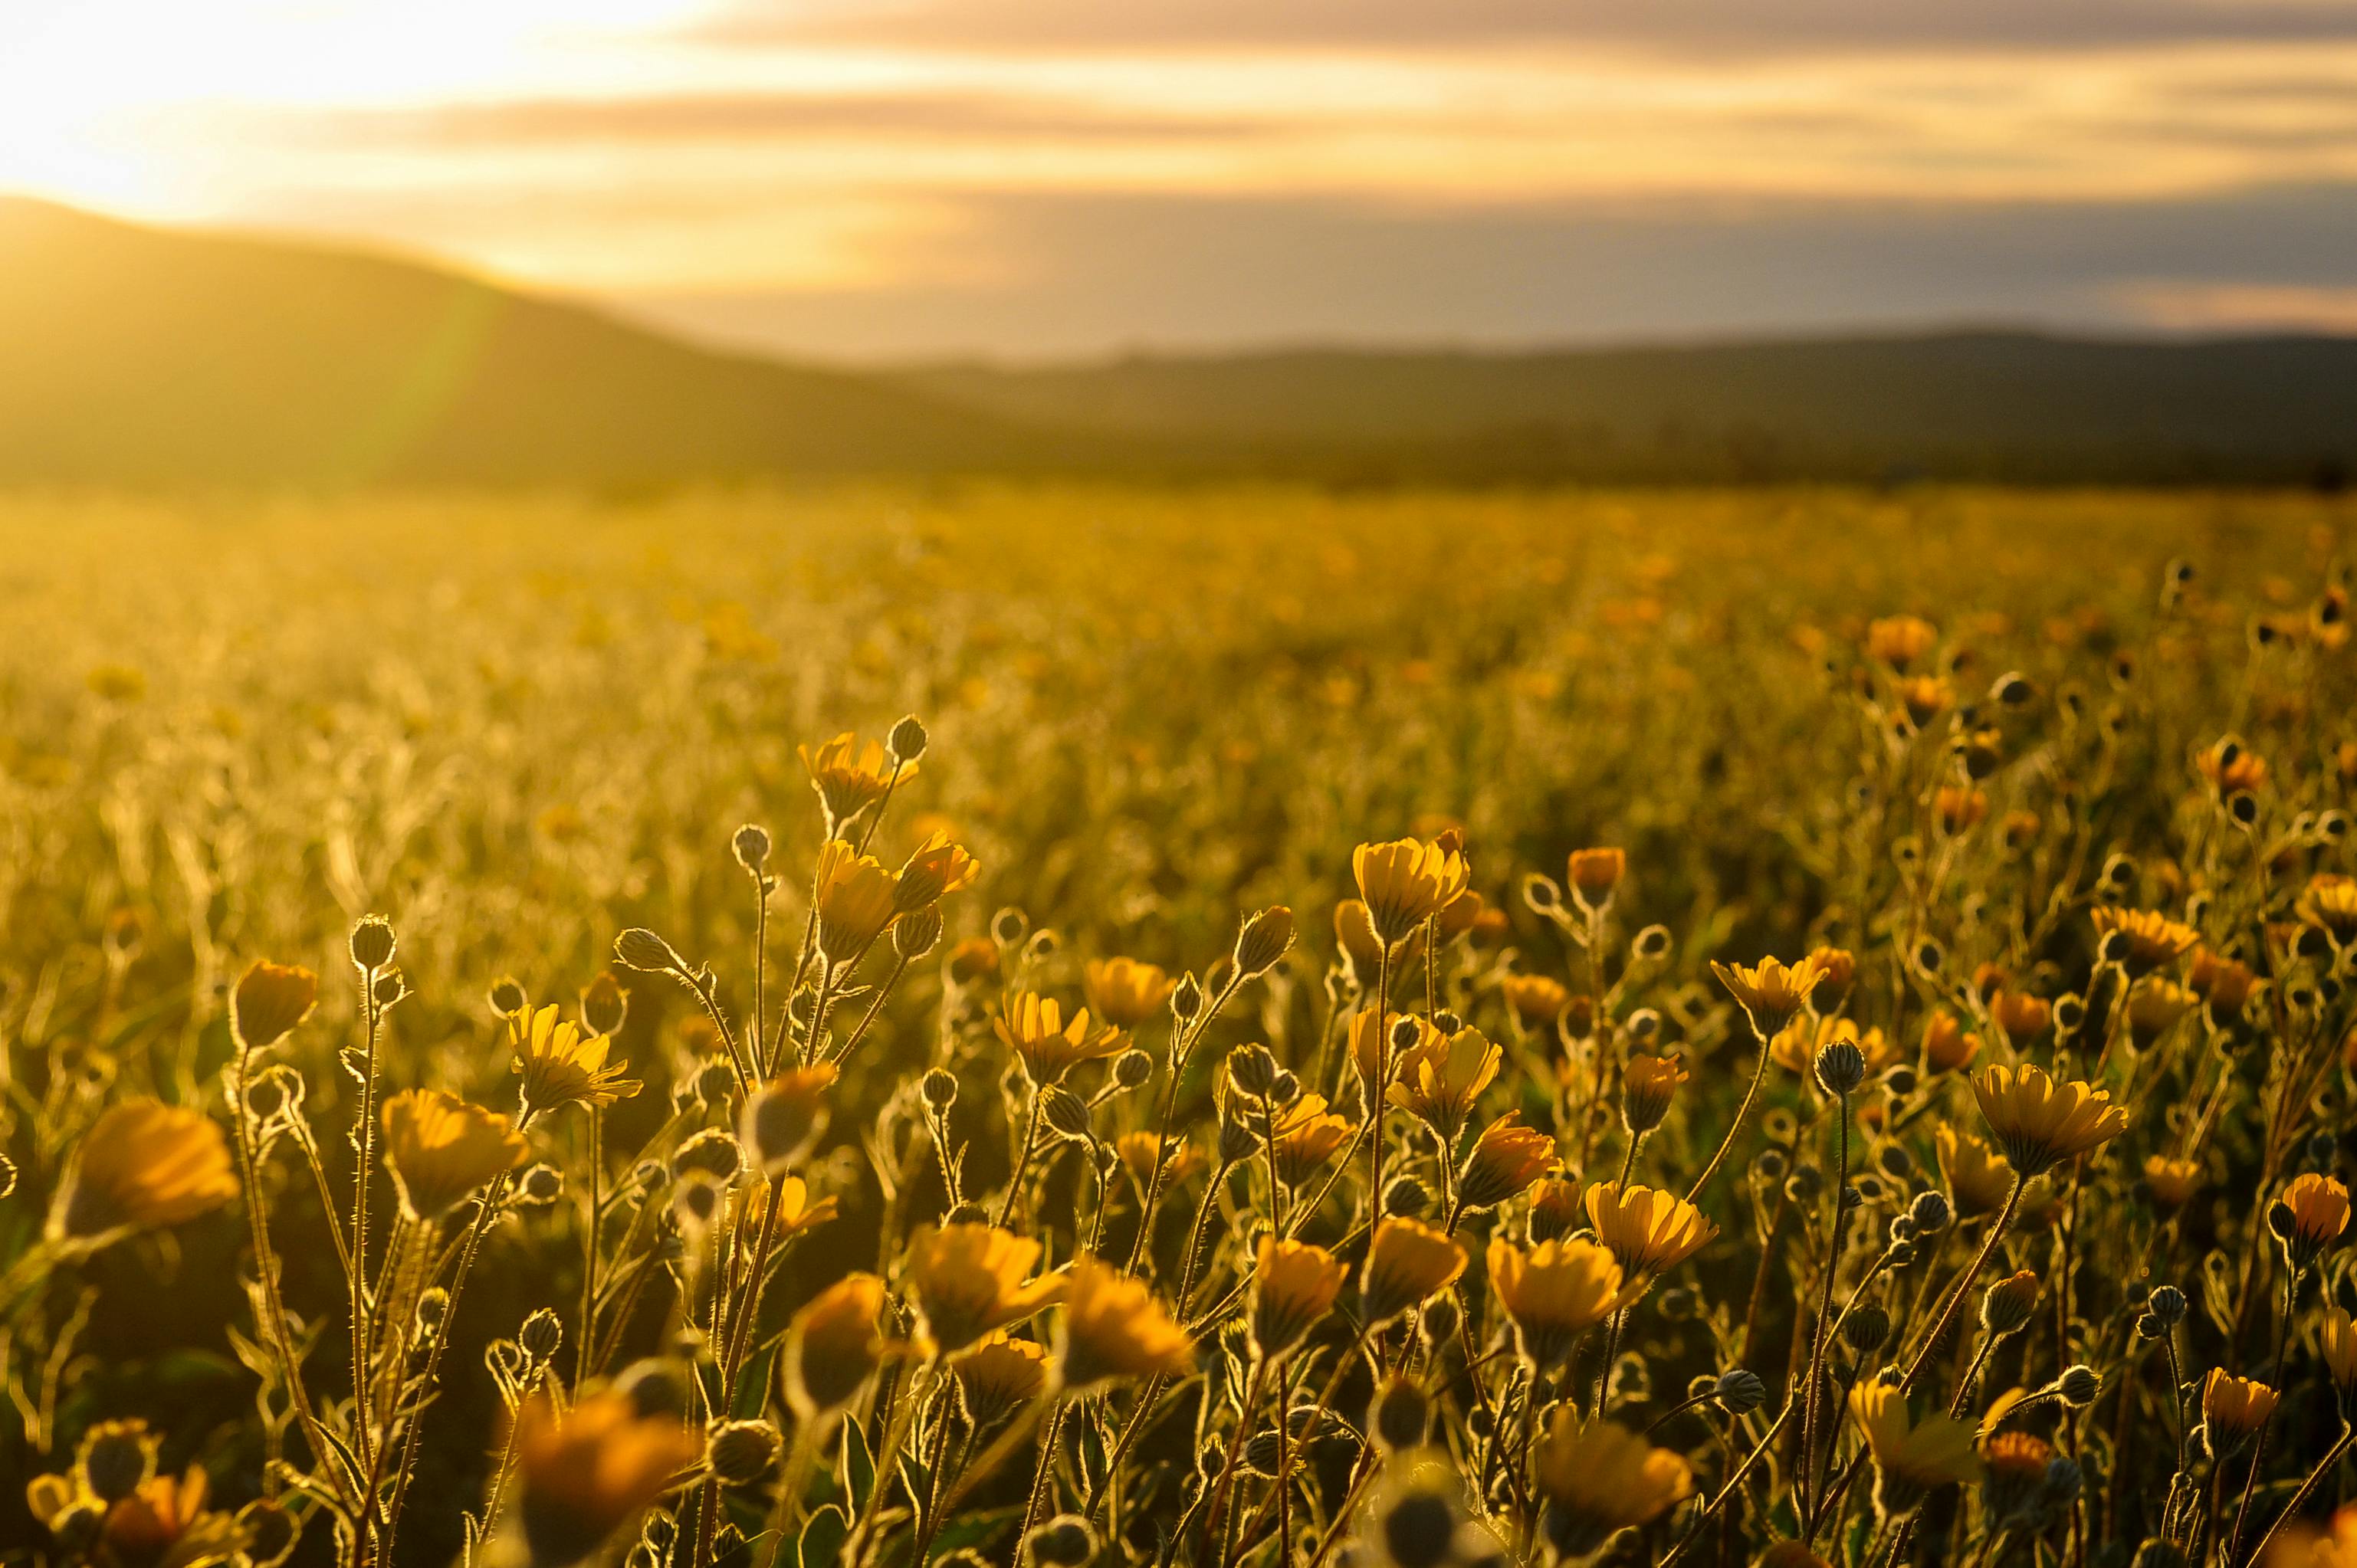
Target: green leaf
[822, 1537]
[859, 1465]
[975, 1528]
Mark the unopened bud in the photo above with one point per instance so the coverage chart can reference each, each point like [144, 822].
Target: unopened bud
[1252, 1068]
[941, 1089]
[1264, 941]
[906, 740]
[372, 943]
[542, 1335]
[751, 845]
[641, 949]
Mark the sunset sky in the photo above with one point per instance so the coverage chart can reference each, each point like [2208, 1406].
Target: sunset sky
[1041, 177]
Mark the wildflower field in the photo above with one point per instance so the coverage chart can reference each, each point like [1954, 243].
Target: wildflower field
[1229, 1027]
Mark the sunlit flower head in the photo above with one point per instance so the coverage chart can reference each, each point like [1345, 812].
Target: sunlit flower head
[582, 1476]
[835, 1345]
[1555, 1291]
[2329, 900]
[2310, 1215]
[1537, 1000]
[1946, 1043]
[1139, 1150]
[1112, 1327]
[2233, 1408]
[796, 1212]
[1597, 1478]
[2337, 1344]
[2172, 1182]
[1409, 1262]
[1405, 882]
[1506, 1159]
[2155, 1005]
[165, 1524]
[269, 1001]
[857, 898]
[2224, 985]
[441, 1149]
[1294, 1286]
[1978, 1176]
[1797, 1044]
[1050, 1046]
[1770, 992]
[1649, 1086]
[1911, 1457]
[1646, 1229]
[563, 1064]
[967, 1280]
[1438, 1080]
[998, 1377]
[1123, 991]
[2020, 1016]
[1304, 1137]
[937, 869]
[851, 775]
[1374, 1043]
[2039, 1122]
[784, 1117]
[2147, 938]
[1593, 875]
[1900, 640]
[142, 1164]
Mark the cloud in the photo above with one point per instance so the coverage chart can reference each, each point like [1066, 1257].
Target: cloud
[1704, 27]
[1078, 275]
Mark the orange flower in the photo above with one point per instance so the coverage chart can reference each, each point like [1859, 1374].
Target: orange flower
[1408, 1263]
[1438, 1079]
[1555, 1292]
[561, 1064]
[270, 1000]
[1404, 883]
[1648, 1230]
[1033, 1027]
[1946, 1045]
[1535, 999]
[1112, 1328]
[967, 1280]
[142, 1164]
[857, 898]
[441, 1148]
[583, 1476]
[2039, 1122]
[1123, 991]
[1770, 992]
[850, 777]
[1506, 1159]
[1595, 875]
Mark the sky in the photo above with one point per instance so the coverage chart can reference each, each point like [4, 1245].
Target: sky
[881, 180]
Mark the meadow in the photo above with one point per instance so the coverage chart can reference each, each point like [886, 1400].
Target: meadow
[1720, 1026]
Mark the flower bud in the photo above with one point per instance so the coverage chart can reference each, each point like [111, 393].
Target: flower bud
[1931, 1212]
[1402, 1415]
[711, 1151]
[1405, 1198]
[1264, 941]
[542, 1335]
[751, 845]
[1252, 1069]
[907, 740]
[917, 933]
[941, 1089]
[641, 949]
[1840, 1068]
[1067, 1114]
[1740, 1391]
[1064, 1541]
[1132, 1069]
[372, 943]
[1866, 1328]
[2079, 1385]
[2005, 1306]
[2168, 1304]
[741, 1452]
[1186, 999]
[604, 1006]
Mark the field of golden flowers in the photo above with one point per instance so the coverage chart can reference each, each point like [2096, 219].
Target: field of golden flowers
[1231, 1029]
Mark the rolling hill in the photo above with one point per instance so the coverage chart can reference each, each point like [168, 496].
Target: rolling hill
[146, 356]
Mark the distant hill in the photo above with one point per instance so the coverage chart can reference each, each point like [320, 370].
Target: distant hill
[146, 356]
[1993, 405]
[139, 355]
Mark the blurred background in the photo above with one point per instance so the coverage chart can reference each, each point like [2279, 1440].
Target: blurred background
[328, 241]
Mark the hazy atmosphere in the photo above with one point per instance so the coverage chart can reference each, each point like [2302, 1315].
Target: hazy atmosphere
[1056, 177]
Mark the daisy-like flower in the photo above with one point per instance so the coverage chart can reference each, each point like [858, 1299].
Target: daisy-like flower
[2172, 1182]
[1035, 1028]
[1361, 950]
[1123, 991]
[2039, 1122]
[561, 1064]
[165, 1522]
[2231, 767]
[2020, 1016]
[2329, 900]
[968, 1280]
[796, 1212]
[1900, 640]
[857, 898]
[2149, 937]
[1978, 1177]
[2155, 1004]
[1649, 1086]
[1139, 1150]
[937, 869]
[1946, 1043]
[1506, 1159]
[1405, 882]
[1536, 1000]
[1554, 1207]
[1555, 1292]
[835, 1345]
[1770, 992]
[1111, 1327]
[1597, 1478]
[998, 1377]
[1911, 1457]
[1304, 1137]
[2224, 984]
[1294, 1286]
[1438, 1080]
[1594, 875]
[783, 1118]
[2310, 1217]
[584, 1475]
[1371, 1050]
[1646, 1229]
[441, 1149]
[1408, 1263]
[850, 776]
[2233, 1408]
[2337, 1343]
[269, 1001]
[142, 1164]
[1797, 1044]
